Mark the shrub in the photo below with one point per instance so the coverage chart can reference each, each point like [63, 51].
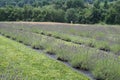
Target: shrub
[107, 69]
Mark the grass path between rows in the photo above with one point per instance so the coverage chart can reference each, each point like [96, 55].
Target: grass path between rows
[18, 62]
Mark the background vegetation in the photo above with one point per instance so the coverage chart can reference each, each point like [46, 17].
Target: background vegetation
[78, 11]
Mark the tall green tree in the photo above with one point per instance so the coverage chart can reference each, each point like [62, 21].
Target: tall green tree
[71, 15]
[96, 15]
[97, 4]
[114, 14]
[75, 3]
[106, 6]
[28, 10]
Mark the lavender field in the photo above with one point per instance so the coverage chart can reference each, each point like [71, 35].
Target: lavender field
[92, 48]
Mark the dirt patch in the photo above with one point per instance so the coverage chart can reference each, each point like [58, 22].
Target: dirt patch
[46, 23]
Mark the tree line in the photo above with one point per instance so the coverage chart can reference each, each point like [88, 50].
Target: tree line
[77, 11]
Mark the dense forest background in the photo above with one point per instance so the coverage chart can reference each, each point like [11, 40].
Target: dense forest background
[77, 11]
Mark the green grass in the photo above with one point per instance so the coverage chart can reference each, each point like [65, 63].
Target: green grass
[18, 62]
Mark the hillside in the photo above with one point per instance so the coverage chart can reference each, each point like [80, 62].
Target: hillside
[94, 49]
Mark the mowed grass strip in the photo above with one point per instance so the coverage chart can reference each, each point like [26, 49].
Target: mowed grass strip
[17, 62]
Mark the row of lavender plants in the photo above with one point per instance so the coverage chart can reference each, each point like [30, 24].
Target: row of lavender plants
[103, 66]
[101, 45]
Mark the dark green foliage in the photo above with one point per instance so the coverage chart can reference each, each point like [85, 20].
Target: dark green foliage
[97, 4]
[114, 14]
[53, 14]
[95, 16]
[106, 6]
[71, 15]
[74, 3]
[78, 11]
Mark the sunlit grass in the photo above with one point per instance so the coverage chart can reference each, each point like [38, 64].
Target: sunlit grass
[18, 62]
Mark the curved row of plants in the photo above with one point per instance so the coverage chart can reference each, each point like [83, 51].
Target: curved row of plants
[103, 66]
